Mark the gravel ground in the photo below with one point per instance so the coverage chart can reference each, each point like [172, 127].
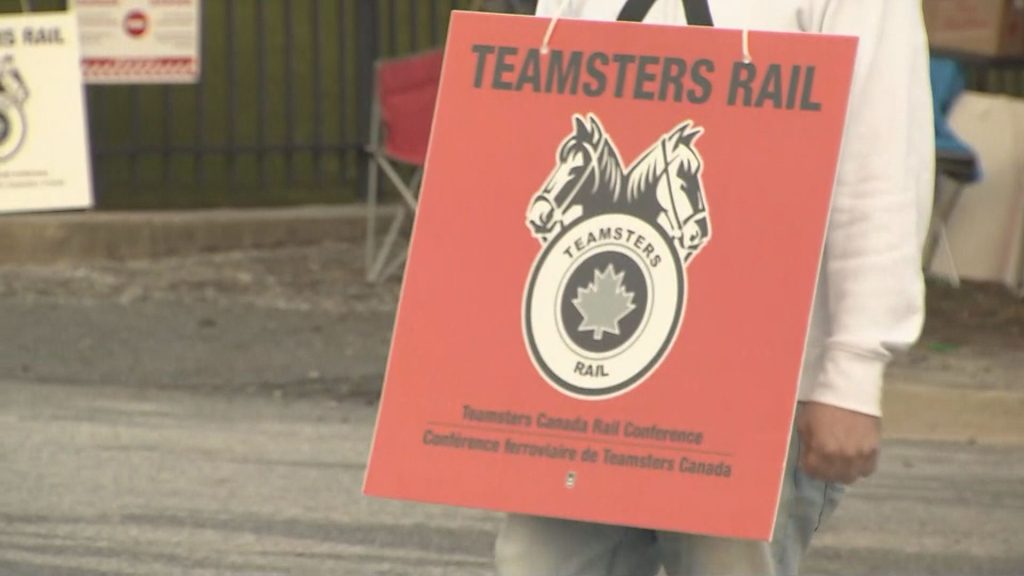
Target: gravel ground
[233, 330]
[306, 316]
[326, 278]
[329, 278]
[291, 321]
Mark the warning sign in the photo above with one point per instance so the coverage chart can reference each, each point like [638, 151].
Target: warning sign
[140, 41]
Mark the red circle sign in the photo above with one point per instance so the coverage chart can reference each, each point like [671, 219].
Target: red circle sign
[136, 23]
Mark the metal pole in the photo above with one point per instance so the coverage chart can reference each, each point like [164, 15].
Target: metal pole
[166, 139]
[367, 50]
[318, 96]
[414, 32]
[199, 139]
[289, 92]
[346, 135]
[393, 27]
[261, 92]
[232, 54]
[137, 144]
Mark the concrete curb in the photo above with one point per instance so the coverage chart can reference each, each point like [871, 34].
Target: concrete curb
[87, 236]
[922, 412]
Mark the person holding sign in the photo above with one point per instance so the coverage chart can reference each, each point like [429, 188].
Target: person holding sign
[869, 300]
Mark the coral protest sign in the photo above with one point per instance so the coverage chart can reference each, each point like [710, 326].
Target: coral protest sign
[611, 275]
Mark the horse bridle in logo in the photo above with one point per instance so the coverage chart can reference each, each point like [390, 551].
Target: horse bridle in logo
[607, 292]
[13, 94]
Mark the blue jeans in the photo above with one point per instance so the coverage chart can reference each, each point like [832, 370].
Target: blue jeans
[534, 546]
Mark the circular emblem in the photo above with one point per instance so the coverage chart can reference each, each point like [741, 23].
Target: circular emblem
[603, 305]
[5, 127]
[136, 23]
[12, 128]
[605, 297]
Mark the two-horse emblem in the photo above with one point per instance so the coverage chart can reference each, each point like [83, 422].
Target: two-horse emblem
[607, 292]
[13, 94]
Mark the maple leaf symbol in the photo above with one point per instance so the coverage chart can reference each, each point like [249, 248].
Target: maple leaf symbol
[604, 303]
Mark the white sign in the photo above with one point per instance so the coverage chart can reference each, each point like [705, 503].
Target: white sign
[44, 149]
[140, 41]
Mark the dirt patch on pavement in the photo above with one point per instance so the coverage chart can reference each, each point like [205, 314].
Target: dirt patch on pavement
[973, 336]
[328, 277]
[974, 314]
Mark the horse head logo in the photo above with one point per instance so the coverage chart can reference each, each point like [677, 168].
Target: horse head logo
[587, 168]
[616, 244]
[13, 94]
[11, 83]
[663, 185]
[680, 193]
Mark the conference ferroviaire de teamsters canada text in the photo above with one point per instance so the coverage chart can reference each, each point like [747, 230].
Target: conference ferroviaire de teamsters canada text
[609, 442]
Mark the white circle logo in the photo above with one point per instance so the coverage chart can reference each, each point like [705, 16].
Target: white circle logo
[606, 295]
[603, 305]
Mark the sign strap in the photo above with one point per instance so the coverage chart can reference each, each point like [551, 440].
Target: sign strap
[697, 11]
[551, 26]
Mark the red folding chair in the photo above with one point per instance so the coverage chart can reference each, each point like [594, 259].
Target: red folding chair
[402, 111]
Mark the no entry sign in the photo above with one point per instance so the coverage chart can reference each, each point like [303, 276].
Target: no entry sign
[611, 275]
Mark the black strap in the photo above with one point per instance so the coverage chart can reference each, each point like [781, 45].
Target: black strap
[697, 11]
[635, 10]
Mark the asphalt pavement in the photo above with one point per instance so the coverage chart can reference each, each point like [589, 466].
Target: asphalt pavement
[212, 415]
[115, 480]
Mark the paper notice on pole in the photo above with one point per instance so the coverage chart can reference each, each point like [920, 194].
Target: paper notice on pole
[140, 41]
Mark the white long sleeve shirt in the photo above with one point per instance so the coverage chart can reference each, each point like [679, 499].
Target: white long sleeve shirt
[870, 294]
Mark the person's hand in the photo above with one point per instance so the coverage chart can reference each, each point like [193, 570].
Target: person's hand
[837, 445]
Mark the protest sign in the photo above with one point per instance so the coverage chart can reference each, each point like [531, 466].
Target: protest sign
[44, 148]
[611, 275]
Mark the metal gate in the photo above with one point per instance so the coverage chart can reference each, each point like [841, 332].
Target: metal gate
[280, 116]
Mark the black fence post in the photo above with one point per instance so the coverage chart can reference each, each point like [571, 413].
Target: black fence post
[367, 50]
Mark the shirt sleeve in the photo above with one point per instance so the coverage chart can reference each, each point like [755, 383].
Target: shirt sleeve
[881, 205]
